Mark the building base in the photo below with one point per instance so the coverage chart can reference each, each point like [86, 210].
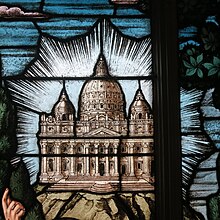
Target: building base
[106, 185]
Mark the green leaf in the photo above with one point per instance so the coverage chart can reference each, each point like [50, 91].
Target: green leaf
[2, 107]
[199, 58]
[186, 64]
[205, 40]
[216, 61]
[208, 65]
[213, 71]
[190, 72]
[207, 46]
[4, 144]
[193, 61]
[199, 73]
[20, 186]
[189, 52]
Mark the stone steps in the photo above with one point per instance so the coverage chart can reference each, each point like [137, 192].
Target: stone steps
[101, 186]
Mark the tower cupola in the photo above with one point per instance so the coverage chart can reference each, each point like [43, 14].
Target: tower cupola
[64, 109]
[140, 108]
[140, 115]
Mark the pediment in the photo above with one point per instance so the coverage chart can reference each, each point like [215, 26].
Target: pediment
[102, 132]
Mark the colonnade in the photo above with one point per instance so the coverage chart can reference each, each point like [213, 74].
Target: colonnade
[93, 159]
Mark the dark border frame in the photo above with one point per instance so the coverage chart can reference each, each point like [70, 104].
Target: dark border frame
[166, 111]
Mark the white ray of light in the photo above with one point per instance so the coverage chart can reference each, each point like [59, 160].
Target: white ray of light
[196, 147]
[77, 57]
[27, 141]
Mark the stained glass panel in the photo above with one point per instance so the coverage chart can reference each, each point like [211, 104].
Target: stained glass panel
[77, 94]
[199, 61]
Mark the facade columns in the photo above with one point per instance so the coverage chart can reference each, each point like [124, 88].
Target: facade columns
[58, 159]
[116, 160]
[72, 160]
[106, 160]
[96, 160]
[84, 159]
[87, 159]
[131, 151]
[146, 160]
[44, 161]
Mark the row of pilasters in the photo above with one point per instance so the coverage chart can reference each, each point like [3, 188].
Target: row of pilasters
[87, 169]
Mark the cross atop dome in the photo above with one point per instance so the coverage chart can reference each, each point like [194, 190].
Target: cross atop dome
[139, 94]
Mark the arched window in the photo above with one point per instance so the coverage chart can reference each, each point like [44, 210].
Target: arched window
[123, 169]
[101, 169]
[79, 167]
[64, 117]
[139, 115]
[50, 165]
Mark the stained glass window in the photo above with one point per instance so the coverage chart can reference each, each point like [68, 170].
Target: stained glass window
[198, 23]
[77, 129]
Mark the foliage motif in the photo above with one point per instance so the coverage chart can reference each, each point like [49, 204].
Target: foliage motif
[214, 67]
[199, 62]
[15, 177]
[194, 66]
[5, 144]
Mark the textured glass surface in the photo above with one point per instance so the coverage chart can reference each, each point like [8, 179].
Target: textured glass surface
[200, 110]
[76, 109]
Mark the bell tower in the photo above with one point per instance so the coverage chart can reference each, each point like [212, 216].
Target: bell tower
[140, 115]
[62, 118]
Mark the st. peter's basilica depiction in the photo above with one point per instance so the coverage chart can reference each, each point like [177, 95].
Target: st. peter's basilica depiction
[91, 151]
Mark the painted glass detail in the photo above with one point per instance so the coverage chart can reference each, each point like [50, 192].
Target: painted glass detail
[76, 110]
[199, 61]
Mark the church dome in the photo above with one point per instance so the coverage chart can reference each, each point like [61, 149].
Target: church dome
[63, 108]
[140, 108]
[102, 97]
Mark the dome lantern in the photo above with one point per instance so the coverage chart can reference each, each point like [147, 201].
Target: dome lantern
[101, 68]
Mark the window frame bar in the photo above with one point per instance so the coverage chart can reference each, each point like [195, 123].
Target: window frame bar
[166, 105]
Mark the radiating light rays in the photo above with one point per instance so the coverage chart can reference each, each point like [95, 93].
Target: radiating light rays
[190, 101]
[125, 56]
[64, 59]
[195, 147]
[74, 58]
[27, 141]
[77, 57]
[38, 96]
[27, 126]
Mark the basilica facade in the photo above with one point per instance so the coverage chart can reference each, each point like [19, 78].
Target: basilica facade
[100, 148]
